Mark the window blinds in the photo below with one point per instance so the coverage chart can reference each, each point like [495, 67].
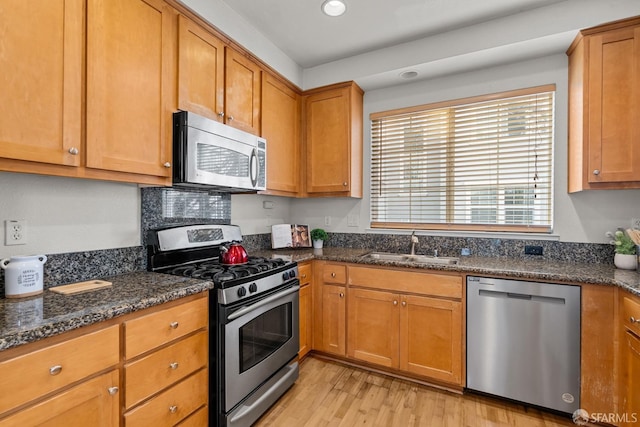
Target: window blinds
[481, 163]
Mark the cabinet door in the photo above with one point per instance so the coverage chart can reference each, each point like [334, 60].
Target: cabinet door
[373, 327]
[130, 85]
[242, 92]
[200, 70]
[333, 320]
[630, 399]
[305, 320]
[431, 338]
[92, 403]
[41, 80]
[327, 135]
[281, 128]
[614, 106]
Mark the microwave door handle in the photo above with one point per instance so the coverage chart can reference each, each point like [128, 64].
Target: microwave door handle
[253, 160]
[263, 302]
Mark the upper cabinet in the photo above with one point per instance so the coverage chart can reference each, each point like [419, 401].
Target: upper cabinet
[281, 128]
[333, 140]
[41, 82]
[130, 85]
[604, 107]
[215, 80]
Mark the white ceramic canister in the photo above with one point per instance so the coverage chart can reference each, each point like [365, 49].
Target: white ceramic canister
[23, 275]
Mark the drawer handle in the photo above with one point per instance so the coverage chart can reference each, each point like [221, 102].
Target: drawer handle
[404, 303]
[333, 274]
[634, 320]
[113, 390]
[173, 365]
[55, 370]
[304, 276]
[174, 325]
[395, 302]
[341, 294]
[173, 409]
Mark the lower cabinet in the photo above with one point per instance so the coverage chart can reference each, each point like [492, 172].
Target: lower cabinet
[333, 320]
[629, 385]
[305, 309]
[94, 402]
[412, 333]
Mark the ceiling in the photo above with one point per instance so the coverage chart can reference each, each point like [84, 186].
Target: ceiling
[310, 38]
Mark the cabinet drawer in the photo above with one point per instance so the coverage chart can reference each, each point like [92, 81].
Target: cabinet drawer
[631, 309]
[43, 371]
[199, 419]
[304, 273]
[441, 285]
[150, 331]
[164, 367]
[173, 405]
[333, 273]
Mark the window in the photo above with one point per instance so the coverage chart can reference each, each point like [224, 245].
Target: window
[481, 163]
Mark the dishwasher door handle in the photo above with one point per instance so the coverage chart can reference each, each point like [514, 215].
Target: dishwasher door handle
[515, 295]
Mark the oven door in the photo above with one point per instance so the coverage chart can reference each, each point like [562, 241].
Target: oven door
[259, 339]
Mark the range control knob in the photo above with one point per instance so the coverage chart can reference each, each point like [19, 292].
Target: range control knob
[292, 274]
[285, 275]
[253, 288]
[242, 291]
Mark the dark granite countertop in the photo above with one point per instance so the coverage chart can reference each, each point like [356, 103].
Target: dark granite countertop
[517, 268]
[24, 320]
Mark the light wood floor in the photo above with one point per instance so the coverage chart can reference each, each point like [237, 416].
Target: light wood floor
[331, 394]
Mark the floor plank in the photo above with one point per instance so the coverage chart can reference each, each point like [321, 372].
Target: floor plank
[332, 394]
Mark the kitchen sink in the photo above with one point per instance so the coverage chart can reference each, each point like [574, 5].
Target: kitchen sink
[420, 259]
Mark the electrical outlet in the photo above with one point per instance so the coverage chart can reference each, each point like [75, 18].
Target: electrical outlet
[15, 232]
[327, 221]
[353, 220]
[532, 250]
[635, 223]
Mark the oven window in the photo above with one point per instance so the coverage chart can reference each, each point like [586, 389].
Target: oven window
[264, 335]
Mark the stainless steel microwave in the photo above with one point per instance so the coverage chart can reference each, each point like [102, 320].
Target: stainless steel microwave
[210, 154]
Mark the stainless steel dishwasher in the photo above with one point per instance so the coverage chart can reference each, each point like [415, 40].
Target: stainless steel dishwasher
[523, 341]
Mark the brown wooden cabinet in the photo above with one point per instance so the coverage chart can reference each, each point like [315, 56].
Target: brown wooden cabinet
[406, 320]
[48, 368]
[281, 127]
[215, 80]
[604, 107]
[305, 308]
[629, 390]
[131, 86]
[333, 140]
[41, 81]
[166, 364]
[200, 70]
[329, 326]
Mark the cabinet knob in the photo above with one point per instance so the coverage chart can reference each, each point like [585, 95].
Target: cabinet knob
[73, 151]
[221, 114]
[596, 172]
[333, 274]
[167, 165]
[344, 184]
[173, 409]
[173, 365]
[174, 325]
[55, 370]
[404, 303]
[229, 118]
[112, 390]
[395, 302]
[634, 320]
[341, 294]
[304, 276]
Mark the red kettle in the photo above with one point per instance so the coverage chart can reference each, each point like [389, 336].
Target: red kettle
[233, 253]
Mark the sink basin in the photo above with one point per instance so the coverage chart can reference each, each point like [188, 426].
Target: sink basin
[421, 259]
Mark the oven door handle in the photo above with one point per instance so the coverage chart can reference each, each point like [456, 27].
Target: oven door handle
[263, 302]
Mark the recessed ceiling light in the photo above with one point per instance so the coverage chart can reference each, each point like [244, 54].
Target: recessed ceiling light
[409, 74]
[334, 7]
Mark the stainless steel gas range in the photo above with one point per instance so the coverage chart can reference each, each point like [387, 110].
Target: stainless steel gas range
[253, 319]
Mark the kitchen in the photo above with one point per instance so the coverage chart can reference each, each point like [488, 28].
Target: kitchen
[91, 219]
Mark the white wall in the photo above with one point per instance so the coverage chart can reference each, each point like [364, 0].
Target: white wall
[583, 217]
[69, 214]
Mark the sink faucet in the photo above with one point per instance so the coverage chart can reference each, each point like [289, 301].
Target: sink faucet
[414, 241]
